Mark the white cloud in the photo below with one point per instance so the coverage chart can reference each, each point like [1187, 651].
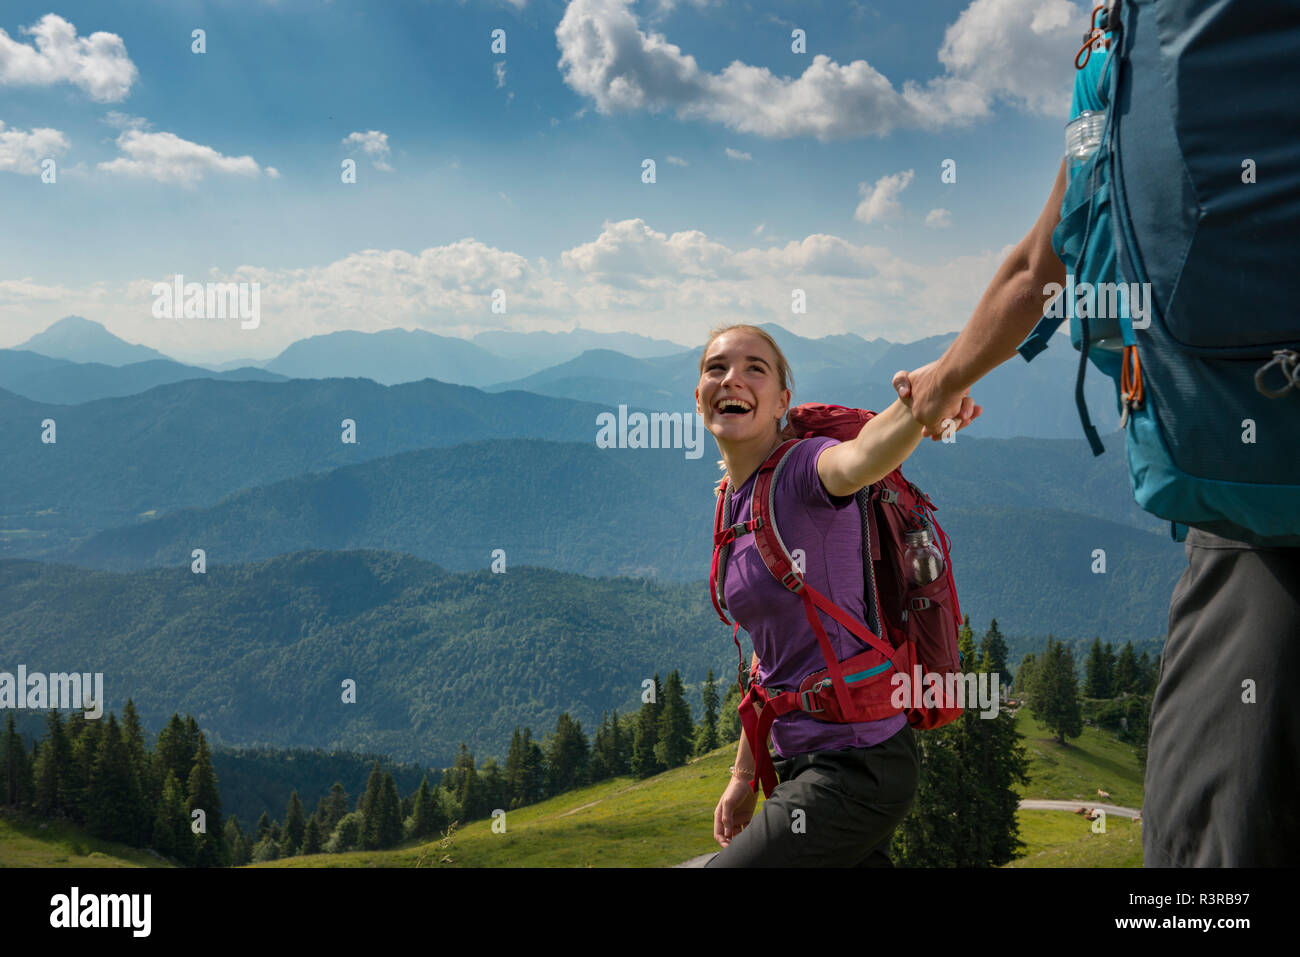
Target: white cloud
[629, 276]
[22, 151]
[97, 64]
[1019, 50]
[1014, 49]
[374, 144]
[677, 161]
[167, 158]
[500, 69]
[17, 291]
[738, 155]
[939, 218]
[629, 253]
[758, 230]
[881, 201]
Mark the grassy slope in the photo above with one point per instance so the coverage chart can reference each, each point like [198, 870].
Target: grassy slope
[24, 843]
[667, 819]
[1074, 771]
[657, 822]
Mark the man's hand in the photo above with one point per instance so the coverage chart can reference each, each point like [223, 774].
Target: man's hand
[921, 391]
[735, 810]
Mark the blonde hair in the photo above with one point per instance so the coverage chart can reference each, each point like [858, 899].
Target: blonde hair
[784, 375]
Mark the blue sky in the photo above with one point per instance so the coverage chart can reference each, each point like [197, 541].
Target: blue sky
[521, 171]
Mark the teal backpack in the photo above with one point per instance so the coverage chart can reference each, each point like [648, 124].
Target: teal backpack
[1180, 240]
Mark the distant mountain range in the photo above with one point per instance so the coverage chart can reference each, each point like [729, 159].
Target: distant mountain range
[1018, 510]
[611, 369]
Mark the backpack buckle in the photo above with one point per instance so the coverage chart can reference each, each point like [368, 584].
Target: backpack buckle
[888, 496]
[804, 697]
[786, 581]
[744, 528]
[919, 604]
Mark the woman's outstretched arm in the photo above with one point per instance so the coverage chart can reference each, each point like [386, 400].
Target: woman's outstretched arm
[882, 446]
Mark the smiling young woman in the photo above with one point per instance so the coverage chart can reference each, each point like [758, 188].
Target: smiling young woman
[843, 787]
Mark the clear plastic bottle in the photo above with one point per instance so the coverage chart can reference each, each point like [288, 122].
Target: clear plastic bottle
[922, 558]
[1083, 136]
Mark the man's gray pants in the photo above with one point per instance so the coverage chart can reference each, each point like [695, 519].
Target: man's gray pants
[1223, 761]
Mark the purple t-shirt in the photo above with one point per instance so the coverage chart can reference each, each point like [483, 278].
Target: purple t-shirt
[828, 528]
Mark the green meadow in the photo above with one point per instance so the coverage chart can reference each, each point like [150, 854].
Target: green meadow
[667, 819]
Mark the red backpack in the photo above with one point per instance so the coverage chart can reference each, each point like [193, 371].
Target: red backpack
[919, 635]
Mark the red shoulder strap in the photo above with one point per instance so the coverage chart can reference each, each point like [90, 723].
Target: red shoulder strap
[778, 561]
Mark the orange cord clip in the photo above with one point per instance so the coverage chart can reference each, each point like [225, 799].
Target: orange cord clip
[1130, 385]
[1095, 35]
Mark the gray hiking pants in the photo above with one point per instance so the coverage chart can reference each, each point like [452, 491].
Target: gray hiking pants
[831, 809]
[1223, 770]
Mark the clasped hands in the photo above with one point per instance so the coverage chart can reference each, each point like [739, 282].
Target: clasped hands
[932, 405]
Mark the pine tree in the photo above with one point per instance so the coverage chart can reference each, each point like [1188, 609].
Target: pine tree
[390, 814]
[993, 652]
[15, 767]
[1097, 676]
[532, 774]
[969, 792]
[173, 751]
[427, 815]
[295, 826]
[469, 790]
[495, 795]
[964, 814]
[114, 803]
[673, 744]
[50, 774]
[1126, 670]
[147, 784]
[91, 730]
[929, 835]
[706, 737]
[331, 808]
[311, 838]
[172, 836]
[262, 828]
[237, 848]
[1056, 693]
[202, 791]
[998, 762]
[620, 747]
[597, 763]
[566, 755]
[369, 807]
[645, 761]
